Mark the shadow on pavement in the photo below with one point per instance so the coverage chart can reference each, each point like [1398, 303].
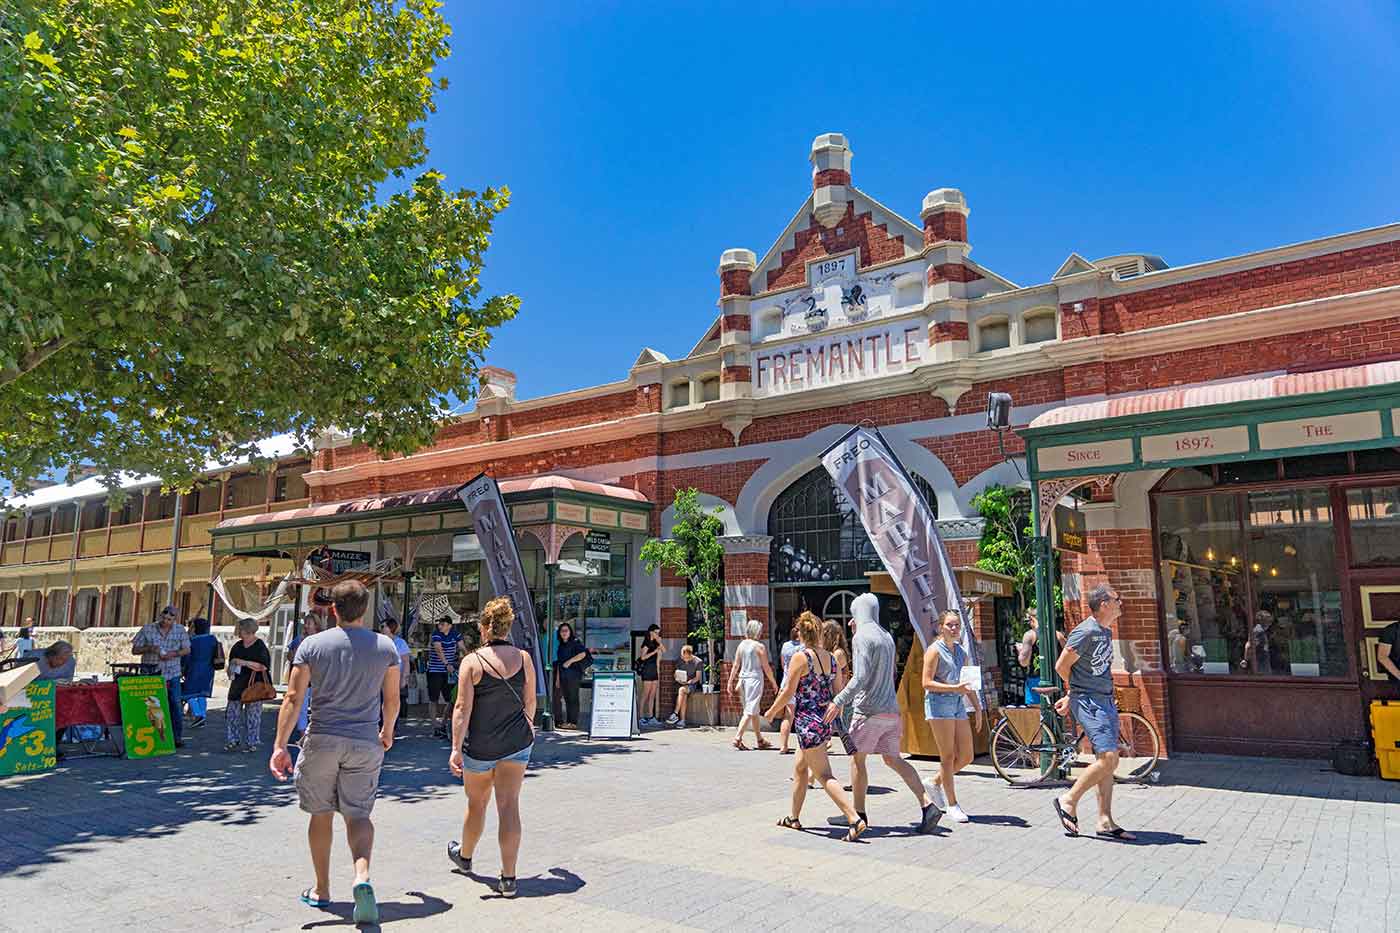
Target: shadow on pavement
[1300, 777]
[389, 912]
[62, 814]
[555, 881]
[990, 819]
[1148, 838]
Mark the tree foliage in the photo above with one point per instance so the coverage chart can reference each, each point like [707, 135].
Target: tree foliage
[1006, 541]
[694, 552]
[195, 251]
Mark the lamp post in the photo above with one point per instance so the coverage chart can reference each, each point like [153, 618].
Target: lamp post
[1047, 641]
[547, 718]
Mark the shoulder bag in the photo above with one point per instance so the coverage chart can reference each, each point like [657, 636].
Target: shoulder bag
[259, 688]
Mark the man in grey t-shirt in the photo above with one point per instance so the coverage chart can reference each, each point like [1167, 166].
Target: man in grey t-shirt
[351, 670]
[1085, 667]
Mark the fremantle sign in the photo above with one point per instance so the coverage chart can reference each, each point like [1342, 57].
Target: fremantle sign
[837, 359]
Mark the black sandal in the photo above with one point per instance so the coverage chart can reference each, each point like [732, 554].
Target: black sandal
[855, 831]
[789, 822]
[1070, 823]
[454, 852]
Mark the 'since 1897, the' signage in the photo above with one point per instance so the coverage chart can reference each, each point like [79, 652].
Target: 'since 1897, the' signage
[840, 358]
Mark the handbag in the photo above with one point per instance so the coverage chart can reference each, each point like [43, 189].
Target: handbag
[259, 689]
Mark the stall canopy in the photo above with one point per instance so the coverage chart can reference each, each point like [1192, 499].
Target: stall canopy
[548, 502]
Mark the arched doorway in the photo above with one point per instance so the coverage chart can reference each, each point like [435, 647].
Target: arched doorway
[821, 554]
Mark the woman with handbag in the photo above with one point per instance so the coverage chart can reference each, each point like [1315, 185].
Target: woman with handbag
[493, 734]
[206, 656]
[570, 660]
[249, 665]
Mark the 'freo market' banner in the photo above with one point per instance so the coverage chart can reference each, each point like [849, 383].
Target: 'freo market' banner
[491, 522]
[901, 527]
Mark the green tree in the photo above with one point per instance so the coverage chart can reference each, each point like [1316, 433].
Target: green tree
[1006, 543]
[198, 247]
[694, 553]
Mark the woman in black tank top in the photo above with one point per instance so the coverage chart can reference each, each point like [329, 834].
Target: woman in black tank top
[493, 734]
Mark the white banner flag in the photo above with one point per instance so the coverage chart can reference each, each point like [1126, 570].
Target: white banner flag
[901, 527]
[491, 522]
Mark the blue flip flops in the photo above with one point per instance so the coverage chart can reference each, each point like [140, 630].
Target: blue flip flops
[366, 908]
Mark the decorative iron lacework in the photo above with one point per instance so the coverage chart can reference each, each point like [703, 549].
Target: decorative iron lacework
[817, 536]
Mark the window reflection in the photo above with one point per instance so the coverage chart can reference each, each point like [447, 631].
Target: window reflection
[1374, 513]
[1202, 572]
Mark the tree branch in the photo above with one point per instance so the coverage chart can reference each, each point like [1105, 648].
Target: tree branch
[32, 359]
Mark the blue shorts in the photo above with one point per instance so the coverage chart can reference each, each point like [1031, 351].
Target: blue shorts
[944, 706]
[1032, 698]
[1097, 714]
[477, 766]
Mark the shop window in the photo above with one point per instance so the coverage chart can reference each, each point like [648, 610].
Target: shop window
[1373, 514]
[1249, 471]
[1334, 464]
[1379, 460]
[993, 335]
[1203, 566]
[1296, 628]
[1039, 326]
[680, 394]
[709, 389]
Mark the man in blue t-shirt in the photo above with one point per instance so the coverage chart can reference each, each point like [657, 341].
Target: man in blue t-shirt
[1085, 667]
[443, 656]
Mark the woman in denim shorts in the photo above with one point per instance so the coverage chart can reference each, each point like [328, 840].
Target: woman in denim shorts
[945, 702]
[493, 734]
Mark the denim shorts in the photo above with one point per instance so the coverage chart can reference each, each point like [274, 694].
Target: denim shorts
[477, 766]
[1097, 714]
[944, 706]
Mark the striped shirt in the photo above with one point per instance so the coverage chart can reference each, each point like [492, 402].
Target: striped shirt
[450, 644]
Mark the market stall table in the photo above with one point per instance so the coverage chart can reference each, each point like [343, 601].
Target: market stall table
[93, 704]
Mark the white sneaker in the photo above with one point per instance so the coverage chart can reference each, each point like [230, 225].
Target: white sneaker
[935, 793]
[673, 719]
[956, 814]
[680, 723]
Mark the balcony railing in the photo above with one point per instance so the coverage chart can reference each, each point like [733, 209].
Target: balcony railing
[129, 539]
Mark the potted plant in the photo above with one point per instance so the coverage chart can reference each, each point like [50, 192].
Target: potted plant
[694, 553]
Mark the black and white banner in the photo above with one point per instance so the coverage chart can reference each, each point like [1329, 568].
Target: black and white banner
[901, 527]
[491, 522]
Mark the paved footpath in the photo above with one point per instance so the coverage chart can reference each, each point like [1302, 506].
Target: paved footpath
[675, 831]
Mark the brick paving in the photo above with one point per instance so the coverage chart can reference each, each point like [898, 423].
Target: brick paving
[675, 832]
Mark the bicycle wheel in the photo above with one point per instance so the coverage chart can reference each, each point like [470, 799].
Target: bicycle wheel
[1139, 746]
[1020, 762]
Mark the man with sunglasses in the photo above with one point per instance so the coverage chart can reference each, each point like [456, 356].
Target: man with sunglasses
[1085, 667]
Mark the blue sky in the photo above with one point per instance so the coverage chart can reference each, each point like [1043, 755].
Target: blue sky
[640, 140]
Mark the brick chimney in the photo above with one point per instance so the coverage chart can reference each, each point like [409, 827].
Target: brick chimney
[831, 177]
[945, 216]
[735, 321]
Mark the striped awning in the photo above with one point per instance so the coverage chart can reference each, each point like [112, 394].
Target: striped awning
[1224, 393]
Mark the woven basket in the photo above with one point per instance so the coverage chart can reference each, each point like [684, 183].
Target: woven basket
[1127, 699]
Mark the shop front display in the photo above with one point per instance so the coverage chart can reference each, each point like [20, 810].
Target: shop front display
[1268, 563]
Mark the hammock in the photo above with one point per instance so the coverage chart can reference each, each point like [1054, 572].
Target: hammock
[310, 575]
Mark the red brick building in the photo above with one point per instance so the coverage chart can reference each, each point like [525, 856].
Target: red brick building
[856, 314]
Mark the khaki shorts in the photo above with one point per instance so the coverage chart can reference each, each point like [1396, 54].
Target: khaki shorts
[877, 735]
[334, 774]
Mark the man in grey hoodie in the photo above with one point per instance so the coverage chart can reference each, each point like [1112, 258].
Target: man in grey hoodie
[876, 728]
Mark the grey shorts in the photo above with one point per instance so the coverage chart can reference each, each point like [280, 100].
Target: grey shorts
[338, 775]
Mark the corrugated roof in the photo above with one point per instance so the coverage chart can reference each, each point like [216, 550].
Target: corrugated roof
[424, 497]
[1224, 393]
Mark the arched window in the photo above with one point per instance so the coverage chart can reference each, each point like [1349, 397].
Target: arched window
[817, 536]
[1039, 326]
[993, 335]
